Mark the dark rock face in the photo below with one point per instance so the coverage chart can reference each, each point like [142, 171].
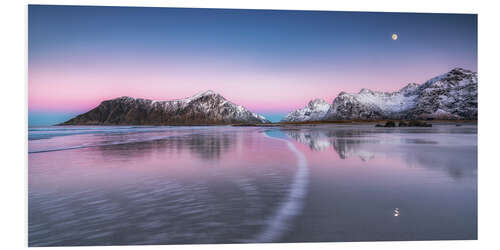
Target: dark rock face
[347, 107]
[402, 124]
[208, 108]
[390, 124]
[416, 123]
[451, 96]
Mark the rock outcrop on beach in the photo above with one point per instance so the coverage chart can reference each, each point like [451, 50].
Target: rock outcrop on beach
[207, 108]
[451, 96]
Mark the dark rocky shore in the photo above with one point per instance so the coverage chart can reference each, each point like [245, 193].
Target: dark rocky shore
[413, 123]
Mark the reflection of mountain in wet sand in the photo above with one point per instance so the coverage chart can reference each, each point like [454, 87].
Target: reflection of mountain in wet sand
[345, 143]
[366, 144]
[457, 162]
[151, 206]
[204, 146]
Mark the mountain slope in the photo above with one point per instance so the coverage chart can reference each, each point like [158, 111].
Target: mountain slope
[368, 104]
[202, 109]
[315, 110]
[449, 96]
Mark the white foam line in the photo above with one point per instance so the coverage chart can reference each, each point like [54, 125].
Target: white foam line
[129, 141]
[292, 205]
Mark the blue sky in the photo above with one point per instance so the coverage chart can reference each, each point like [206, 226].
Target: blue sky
[271, 62]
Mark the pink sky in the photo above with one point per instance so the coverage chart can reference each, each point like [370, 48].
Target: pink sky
[271, 62]
[80, 87]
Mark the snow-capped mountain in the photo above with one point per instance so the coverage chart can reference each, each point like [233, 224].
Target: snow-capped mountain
[368, 104]
[204, 108]
[315, 110]
[449, 96]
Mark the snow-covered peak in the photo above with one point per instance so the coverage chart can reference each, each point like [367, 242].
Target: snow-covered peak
[453, 77]
[314, 110]
[392, 102]
[318, 104]
[452, 95]
[123, 98]
[365, 91]
[410, 88]
[460, 70]
[208, 92]
[188, 99]
[203, 108]
[203, 94]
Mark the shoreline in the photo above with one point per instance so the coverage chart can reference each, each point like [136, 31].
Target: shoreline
[356, 122]
[281, 124]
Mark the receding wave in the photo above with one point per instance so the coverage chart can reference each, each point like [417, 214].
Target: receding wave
[279, 221]
[129, 141]
[38, 133]
[51, 132]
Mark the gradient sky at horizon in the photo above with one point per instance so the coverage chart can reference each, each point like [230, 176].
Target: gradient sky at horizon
[271, 62]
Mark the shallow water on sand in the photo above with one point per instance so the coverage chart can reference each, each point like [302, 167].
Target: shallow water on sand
[221, 184]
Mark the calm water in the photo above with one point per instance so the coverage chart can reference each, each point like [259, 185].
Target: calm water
[178, 185]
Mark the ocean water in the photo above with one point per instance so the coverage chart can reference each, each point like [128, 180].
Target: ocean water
[133, 185]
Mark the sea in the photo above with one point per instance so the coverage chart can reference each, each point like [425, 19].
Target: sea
[150, 185]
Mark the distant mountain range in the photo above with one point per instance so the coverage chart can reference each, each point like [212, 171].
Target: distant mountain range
[451, 96]
[207, 108]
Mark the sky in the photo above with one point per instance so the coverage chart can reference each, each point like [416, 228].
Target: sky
[269, 61]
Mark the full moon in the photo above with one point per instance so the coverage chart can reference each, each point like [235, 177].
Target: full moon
[394, 36]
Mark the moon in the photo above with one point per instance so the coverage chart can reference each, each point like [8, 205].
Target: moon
[394, 36]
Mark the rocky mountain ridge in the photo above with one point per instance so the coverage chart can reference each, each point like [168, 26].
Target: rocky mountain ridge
[207, 108]
[451, 96]
[315, 110]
